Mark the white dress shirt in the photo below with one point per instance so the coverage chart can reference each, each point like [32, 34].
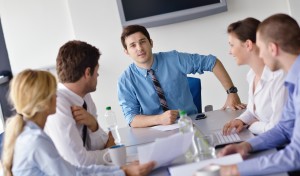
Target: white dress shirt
[36, 155]
[267, 101]
[67, 135]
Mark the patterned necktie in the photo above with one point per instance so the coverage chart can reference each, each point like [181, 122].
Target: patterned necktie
[159, 91]
[84, 131]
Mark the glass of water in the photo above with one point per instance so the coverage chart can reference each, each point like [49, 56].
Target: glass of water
[206, 147]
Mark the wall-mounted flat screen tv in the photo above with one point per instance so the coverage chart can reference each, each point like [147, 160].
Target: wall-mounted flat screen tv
[151, 13]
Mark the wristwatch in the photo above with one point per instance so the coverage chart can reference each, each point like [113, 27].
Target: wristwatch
[232, 90]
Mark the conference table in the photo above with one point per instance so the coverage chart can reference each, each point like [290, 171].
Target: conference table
[134, 137]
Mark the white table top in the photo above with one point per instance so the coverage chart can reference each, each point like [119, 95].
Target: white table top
[132, 137]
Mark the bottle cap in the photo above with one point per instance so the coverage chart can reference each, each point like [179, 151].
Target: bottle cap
[182, 112]
[108, 108]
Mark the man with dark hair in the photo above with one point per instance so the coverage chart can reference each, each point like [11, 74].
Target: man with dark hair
[278, 39]
[74, 128]
[155, 86]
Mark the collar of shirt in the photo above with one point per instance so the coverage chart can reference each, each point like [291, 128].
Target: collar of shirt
[266, 75]
[143, 71]
[292, 75]
[31, 125]
[78, 100]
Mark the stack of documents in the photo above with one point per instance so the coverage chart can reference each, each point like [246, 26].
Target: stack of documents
[164, 150]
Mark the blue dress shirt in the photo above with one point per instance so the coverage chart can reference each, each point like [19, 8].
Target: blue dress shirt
[136, 91]
[286, 131]
[36, 155]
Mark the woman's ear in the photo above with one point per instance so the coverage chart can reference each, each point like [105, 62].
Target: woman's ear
[249, 45]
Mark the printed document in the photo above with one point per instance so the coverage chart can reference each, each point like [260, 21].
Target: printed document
[164, 150]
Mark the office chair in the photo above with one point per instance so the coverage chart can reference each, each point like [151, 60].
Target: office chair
[195, 88]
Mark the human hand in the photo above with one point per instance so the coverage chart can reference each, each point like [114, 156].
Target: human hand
[168, 117]
[229, 170]
[135, 169]
[242, 148]
[233, 125]
[233, 102]
[81, 116]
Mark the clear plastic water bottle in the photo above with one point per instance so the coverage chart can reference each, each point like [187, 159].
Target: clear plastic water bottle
[185, 126]
[111, 122]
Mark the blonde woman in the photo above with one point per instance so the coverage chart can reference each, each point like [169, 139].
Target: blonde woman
[27, 149]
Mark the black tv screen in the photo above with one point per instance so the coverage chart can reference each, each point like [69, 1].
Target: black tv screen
[152, 13]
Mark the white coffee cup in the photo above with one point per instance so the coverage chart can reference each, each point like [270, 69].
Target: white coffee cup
[117, 155]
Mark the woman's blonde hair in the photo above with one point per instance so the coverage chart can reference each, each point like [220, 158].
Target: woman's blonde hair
[30, 93]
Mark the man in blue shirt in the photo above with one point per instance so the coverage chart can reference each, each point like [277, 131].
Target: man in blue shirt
[278, 39]
[138, 97]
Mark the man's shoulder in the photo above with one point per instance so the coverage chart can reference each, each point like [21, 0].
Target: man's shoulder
[127, 73]
[166, 53]
[64, 101]
[66, 97]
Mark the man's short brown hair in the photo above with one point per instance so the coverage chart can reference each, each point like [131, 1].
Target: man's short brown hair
[282, 30]
[73, 58]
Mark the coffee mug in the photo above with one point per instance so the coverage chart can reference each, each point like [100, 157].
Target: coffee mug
[117, 155]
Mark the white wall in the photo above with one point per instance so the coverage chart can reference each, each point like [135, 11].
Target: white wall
[293, 6]
[35, 29]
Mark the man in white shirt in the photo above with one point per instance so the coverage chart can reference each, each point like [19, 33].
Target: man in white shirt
[74, 128]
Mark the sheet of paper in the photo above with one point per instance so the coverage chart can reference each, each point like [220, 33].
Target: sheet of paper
[165, 150]
[144, 152]
[131, 158]
[166, 127]
[190, 169]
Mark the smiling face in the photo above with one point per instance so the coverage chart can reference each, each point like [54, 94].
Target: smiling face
[237, 49]
[139, 48]
[265, 52]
